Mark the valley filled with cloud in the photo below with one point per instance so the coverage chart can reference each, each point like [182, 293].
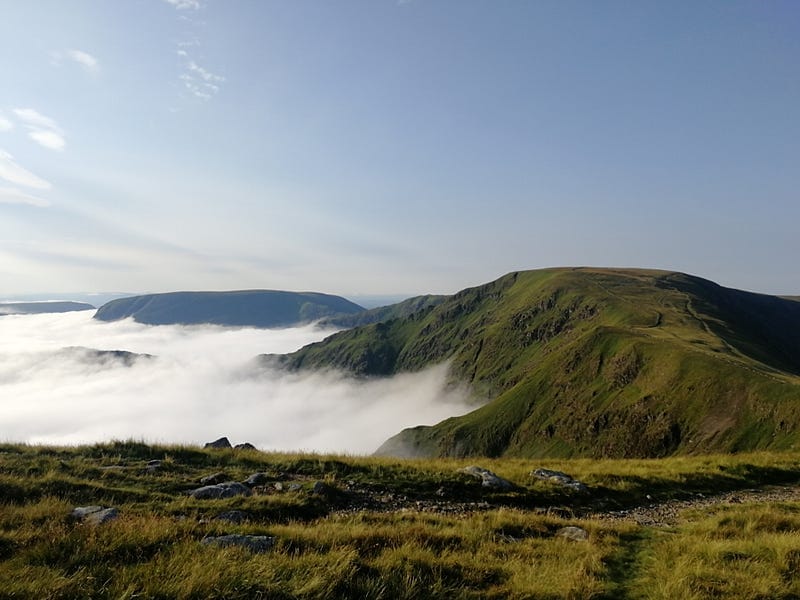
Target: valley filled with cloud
[177, 384]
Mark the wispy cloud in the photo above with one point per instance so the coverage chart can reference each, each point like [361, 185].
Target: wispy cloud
[185, 4]
[85, 60]
[5, 124]
[13, 173]
[200, 82]
[41, 129]
[15, 196]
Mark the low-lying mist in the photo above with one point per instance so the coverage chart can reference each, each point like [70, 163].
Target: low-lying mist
[199, 383]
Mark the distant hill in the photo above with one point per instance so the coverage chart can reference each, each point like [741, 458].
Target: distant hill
[36, 308]
[249, 308]
[593, 362]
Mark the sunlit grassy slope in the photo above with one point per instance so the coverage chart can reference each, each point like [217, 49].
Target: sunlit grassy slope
[497, 545]
[593, 362]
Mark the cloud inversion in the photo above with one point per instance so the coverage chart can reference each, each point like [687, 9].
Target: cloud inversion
[203, 383]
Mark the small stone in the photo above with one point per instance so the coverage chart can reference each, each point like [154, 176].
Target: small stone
[278, 486]
[256, 479]
[245, 446]
[254, 543]
[94, 515]
[295, 487]
[575, 534]
[319, 488]
[79, 513]
[560, 478]
[218, 477]
[488, 479]
[220, 490]
[220, 443]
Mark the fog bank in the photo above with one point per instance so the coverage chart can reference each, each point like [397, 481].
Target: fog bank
[200, 383]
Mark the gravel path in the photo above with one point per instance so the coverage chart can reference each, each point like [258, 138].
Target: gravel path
[666, 514]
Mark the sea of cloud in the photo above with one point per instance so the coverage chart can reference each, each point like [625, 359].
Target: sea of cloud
[200, 383]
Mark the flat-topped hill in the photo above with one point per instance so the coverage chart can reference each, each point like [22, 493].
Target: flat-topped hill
[247, 308]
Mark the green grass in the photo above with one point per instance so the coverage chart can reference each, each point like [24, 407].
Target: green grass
[494, 545]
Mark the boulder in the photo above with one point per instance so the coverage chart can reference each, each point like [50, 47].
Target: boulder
[220, 443]
[245, 446]
[220, 490]
[218, 477]
[488, 479]
[560, 478]
[94, 515]
[575, 534]
[152, 466]
[254, 543]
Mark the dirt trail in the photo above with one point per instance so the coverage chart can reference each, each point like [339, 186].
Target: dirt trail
[665, 514]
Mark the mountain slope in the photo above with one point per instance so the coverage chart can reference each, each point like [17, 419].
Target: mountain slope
[594, 362]
[398, 310]
[249, 308]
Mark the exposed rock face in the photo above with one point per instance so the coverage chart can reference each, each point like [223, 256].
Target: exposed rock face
[488, 479]
[576, 534]
[220, 490]
[560, 478]
[220, 443]
[94, 515]
[254, 543]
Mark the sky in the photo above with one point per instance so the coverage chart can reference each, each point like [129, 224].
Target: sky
[199, 383]
[394, 146]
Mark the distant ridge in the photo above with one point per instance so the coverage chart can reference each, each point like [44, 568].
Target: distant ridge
[38, 308]
[246, 308]
[593, 362]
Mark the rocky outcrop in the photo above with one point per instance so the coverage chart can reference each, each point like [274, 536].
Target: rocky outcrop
[559, 478]
[218, 477]
[218, 444]
[220, 490]
[488, 479]
[94, 515]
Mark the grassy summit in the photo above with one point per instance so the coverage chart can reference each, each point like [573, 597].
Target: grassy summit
[593, 362]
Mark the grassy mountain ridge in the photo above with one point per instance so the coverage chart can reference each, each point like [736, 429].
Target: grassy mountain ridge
[593, 362]
[253, 308]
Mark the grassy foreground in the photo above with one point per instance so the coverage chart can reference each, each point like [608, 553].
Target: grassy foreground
[384, 528]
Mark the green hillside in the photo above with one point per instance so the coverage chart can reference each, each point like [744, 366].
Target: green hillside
[593, 362]
[384, 313]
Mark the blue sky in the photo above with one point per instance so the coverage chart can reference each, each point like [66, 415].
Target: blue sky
[385, 146]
